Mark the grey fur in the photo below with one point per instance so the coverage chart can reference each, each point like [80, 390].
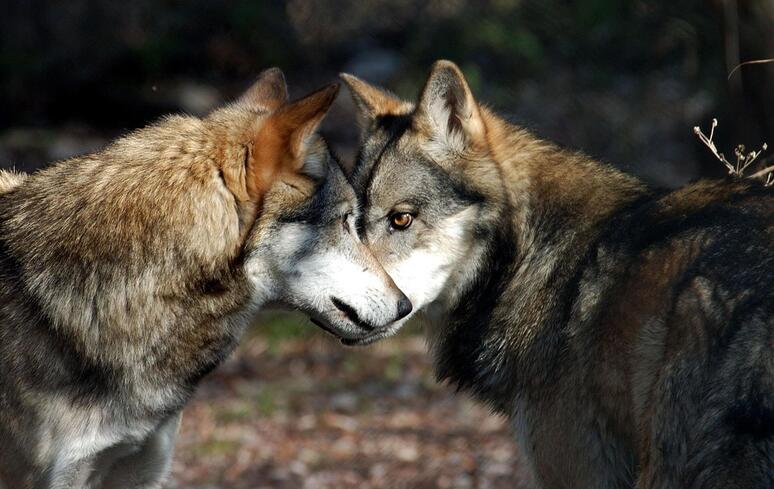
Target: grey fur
[627, 332]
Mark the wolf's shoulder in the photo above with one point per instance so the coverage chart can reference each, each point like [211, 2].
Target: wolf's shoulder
[723, 230]
[716, 233]
[712, 198]
[729, 211]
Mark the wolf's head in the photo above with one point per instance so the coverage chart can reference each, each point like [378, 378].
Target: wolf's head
[428, 182]
[299, 212]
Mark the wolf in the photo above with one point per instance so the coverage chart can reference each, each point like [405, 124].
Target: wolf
[128, 274]
[627, 332]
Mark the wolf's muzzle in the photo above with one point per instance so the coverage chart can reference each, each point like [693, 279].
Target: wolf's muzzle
[352, 314]
[403, 309]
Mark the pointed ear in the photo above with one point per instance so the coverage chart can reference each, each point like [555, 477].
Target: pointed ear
[372, 102]
[286, 142]
[268, 93]
[447, 110]
[297, 122]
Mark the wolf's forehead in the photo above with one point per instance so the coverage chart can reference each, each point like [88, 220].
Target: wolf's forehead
[383, 133]
[404, 174]
[379, 155]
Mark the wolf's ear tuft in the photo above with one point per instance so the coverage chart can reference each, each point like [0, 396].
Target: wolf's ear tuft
[299, 120]
[372, 102]
[267, 94]
[287, 142]
[447, 109]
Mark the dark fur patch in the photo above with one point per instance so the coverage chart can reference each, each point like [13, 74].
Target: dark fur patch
[462, 357]
[753, 417]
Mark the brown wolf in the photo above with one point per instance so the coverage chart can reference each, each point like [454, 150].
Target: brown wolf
[627, 332]
[128, 274]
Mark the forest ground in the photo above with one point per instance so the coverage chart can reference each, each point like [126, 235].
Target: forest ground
[292, 408]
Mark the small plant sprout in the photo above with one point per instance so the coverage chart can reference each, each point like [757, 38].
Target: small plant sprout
[743, 158]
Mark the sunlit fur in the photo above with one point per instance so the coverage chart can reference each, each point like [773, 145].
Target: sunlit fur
[627, 332]
[10, 179]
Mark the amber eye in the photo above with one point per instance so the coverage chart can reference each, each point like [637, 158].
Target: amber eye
[401, 220]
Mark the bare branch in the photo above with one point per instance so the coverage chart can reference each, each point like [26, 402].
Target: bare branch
[707, 140]
[750, 158]
[743, 158]
[752, 62]
[768, 171]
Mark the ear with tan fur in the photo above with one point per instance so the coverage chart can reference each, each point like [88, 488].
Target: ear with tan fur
[372, 102]
[286, 142]
[447, 109]
[297, 123]
[268, 93]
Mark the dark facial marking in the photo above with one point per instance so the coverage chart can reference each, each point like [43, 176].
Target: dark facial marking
[395, 126]
[352, 314]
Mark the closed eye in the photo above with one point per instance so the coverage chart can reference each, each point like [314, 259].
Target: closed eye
[296, 188]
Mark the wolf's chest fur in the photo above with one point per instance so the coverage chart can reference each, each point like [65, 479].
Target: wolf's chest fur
[72, 390]
[83, 433]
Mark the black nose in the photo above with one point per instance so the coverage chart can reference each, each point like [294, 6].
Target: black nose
[404, 307]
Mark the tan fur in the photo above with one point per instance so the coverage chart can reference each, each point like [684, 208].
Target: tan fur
[376, 100]
[124, 279]
[10, 179]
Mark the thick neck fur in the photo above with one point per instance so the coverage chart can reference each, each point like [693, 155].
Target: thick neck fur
[550, 207]
[129, 259]
[543, 182]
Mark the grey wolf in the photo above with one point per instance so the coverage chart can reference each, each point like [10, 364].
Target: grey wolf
[627, 332]
[128, 274]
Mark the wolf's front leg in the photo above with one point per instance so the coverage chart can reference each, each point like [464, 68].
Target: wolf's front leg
[145, 467]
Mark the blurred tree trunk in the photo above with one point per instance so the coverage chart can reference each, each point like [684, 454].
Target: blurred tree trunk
[749, 35]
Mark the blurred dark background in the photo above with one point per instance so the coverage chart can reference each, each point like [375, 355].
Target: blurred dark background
[623, 80]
